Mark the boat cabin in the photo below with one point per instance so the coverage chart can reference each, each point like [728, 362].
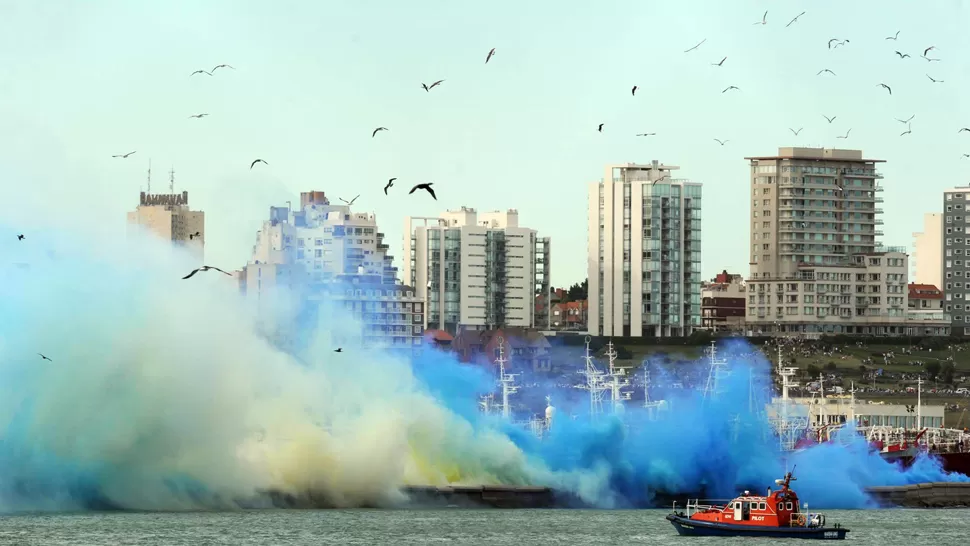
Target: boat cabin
[777, 509]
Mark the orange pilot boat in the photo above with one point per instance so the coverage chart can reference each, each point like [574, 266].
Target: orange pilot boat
[775, 515]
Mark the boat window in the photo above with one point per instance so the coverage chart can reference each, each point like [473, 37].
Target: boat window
[737, 506]
[788, 506]
[762, 506]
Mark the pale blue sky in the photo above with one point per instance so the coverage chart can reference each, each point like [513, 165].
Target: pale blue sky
[80, 81]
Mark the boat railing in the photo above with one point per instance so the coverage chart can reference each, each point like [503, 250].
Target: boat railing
[810, 520]
[696, 505]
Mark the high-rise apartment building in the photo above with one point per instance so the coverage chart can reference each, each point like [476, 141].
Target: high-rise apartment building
[644, 252]
[956, 258]
[928, 251]
[168, 216]
[477, 270]
[816, 267]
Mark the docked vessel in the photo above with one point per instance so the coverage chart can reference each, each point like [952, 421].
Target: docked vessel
[776, 515]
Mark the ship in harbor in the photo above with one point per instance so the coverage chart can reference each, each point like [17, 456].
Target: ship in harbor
[777, 515]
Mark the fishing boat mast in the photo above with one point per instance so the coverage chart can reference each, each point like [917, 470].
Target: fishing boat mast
[594, 384]
[506, 380]
[717, 373]
[617, 381]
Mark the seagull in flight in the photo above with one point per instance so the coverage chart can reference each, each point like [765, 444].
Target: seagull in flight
[647, 134]
[199, 116]
[764, 20]
[929, 60]
[729, 88]
[838, 42]
[379, 129]
[490, 53]
[430, 87]
[722, 142]
[964, 129]
[338, 350]
[634, 91]
[966, 155]
[200, 72]
[927, 50]
[902, 55]
[846, 134]
[220, 66]
[658, 180]
[205, 268]
[795, 19]
[600, 129]
[390, 183]
[909, 129]
[351, 202]
[893, 37]
[887, 88]
[906, 120]
[45, 358]
[20, 237]
[932, 80]
[796, 132]
[194, 235]
[426, 187]
[123, 156]
[720, 63]
[695, 47]
[820, 72]
[829, 119]
[253, 164]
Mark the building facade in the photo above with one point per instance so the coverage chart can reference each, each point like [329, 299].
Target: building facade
[816, 266]
[925, 315]
[956, 258]
[644, 252]
[477, 270]
[723, 303]
[169, 217]
[928, 251]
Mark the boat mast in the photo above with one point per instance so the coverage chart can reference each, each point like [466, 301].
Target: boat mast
[712, 389]
[506, 380]
[617, 381]
[594, 384]
[919, 403]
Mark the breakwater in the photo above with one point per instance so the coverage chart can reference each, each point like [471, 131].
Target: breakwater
[923, 495]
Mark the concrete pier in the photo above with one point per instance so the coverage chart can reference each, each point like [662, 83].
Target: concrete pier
[923, 495]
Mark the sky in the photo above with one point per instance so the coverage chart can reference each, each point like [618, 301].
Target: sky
[81, 81]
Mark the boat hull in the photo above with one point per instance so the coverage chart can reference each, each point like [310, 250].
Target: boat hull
[951, 462]
[689, 527]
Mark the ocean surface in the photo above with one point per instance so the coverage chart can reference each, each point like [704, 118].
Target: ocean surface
[446, 526]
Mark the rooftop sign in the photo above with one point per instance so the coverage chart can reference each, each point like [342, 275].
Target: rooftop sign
[148, 199]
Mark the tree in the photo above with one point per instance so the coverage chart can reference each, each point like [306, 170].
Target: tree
[947, 372]
[578, 292]
[813, 371]
[831, 366]
[933, 368]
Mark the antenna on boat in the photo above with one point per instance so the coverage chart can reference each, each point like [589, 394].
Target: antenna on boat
[617, 381]
[712, 389]
[507, 380]
[594, 384]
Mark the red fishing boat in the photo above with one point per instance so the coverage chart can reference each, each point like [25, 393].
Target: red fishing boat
[775, 515]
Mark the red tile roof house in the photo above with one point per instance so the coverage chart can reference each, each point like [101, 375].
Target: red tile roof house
[525, 349]
[925, 296]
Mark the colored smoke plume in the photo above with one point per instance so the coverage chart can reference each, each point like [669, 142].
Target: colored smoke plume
[168, 394]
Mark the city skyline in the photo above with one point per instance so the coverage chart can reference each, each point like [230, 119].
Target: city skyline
[310, 113]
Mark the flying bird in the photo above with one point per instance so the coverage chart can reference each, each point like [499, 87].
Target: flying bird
[720, 63]
[634, 91]
[198, 115]
[646, 134]
[906, 120]
[20, 237]
[426, 187]
[927, 50]
[253, 164]
[338, 350]
[964, 129]
[123, 156]
[430, 87]
[843, 42]
[796, 132]
[846, 134]
[722, 142]
[200, 72]
[45, 358]
[600, 129]
[194, 235]
[764, 20]
[729, 88]
[820, 72]
[205, 268]
[966, 155]
[887, 88]
[220, 66]
[390, 183]
[351, 202]
[695, 47]
[379, 129]
[909, 129]
[932, 80]
[795, 19]
[929, 60]
[490, 53]
[829, 119]
[893, 37]
[658, 180]
[902, 55]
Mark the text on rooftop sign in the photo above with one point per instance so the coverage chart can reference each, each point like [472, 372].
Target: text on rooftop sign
[165, 198]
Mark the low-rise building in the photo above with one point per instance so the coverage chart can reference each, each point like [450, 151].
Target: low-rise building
[723, 303]
[570, 315]
[925, 296]
[524, 348]
[925, 315]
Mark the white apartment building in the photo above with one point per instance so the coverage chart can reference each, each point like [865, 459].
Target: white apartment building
[927, 254]
[477, 270]
[644, 252]
[956, 258]
[168, 216]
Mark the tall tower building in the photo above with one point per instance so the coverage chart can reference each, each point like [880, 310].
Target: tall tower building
[955, 259]
[928, 251]
[644, 252]
[477, 270]
[816, 266]
[169, 217]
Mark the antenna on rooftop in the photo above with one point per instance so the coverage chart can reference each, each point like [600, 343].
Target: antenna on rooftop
[149, 176]
[171, 180]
